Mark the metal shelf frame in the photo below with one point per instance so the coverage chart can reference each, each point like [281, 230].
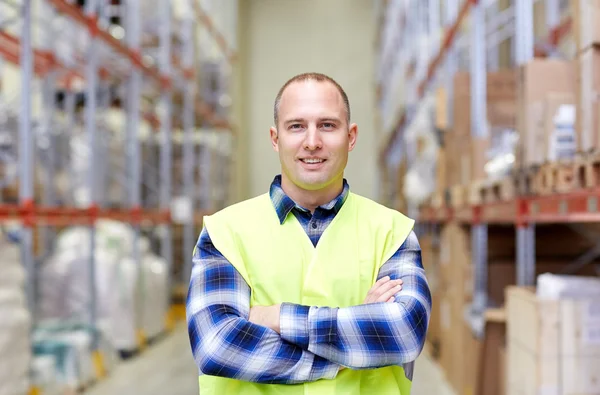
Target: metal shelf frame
[100, 64]
[476, 50]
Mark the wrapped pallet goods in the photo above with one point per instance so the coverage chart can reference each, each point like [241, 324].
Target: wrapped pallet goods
[44, 375]
[64, 284]
[65, 277]
[15, 322]
[553, 336]
[70, 346]
[155, 295]
[130, 296]
[123, 318]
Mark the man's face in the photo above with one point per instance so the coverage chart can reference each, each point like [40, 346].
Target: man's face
[313, 137]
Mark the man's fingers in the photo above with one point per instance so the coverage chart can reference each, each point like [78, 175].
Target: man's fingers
[377, 284]
[382, 280]
[381, 289]
[389, 294]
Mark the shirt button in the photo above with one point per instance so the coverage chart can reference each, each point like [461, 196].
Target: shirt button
[314, 225]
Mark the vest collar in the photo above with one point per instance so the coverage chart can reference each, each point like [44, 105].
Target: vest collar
[283, 204]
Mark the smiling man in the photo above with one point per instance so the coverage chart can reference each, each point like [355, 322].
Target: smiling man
[309, 288]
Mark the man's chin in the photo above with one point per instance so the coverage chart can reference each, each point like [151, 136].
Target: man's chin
[314, 184]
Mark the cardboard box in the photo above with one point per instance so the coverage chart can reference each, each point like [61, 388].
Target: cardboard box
[501, 100]
[441, 171]
[441, 109]
[455, 265]
[553, 345]
[588, 101]
[479, 148]
[458, 159]
[537, 79]
[490, 379]
[461, 105]
[586, 14]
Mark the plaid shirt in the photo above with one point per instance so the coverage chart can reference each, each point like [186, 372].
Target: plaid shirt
[314, 341]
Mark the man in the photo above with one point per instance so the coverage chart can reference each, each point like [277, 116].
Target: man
[308, 289]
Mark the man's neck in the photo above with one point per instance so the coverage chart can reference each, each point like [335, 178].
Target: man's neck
[310, 200]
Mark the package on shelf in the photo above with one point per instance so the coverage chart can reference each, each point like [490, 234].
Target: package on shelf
[558, 127]
[554, 339]
[15, 321]
[554, 287]
[69, 346]
[129, 296]
[15, 346]
[537, 79]
[155, 295]
[586, 14]
[501, 89]
[65, 292]
[420, 178]
[588, 99]
[64, 284]
[501, 153]
[44, 375]
[123, 317]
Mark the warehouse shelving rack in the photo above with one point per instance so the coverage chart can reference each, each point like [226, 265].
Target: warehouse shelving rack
[418, 26]
[100, 59]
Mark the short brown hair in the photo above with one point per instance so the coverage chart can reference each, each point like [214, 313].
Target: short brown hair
[310, 77]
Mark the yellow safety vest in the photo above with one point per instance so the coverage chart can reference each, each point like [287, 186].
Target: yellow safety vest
[280, 264]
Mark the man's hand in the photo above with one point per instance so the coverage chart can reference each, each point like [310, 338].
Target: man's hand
[267, 316]
[383, 290]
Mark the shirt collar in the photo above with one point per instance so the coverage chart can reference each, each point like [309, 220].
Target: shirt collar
[283, 204]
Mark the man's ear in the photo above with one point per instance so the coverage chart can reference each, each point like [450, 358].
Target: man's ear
[352, 136]
[274, 139]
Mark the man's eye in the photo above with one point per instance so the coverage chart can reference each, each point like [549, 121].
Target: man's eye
[295, 126]
[328, 125]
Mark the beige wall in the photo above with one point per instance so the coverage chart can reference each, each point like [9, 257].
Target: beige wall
[281, 38]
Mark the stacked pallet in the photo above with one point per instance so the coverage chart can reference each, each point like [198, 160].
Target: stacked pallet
[553, 336]
[476, 363]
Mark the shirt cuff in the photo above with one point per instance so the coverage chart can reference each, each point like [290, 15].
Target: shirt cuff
[293, 324]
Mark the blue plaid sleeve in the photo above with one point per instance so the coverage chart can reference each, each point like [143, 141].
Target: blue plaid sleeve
[224, 343]
[373, 335]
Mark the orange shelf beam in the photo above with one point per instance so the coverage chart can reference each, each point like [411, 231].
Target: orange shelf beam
[63, 216]
[577, 206]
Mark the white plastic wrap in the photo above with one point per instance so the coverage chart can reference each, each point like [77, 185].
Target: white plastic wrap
[420, 178]
[554, 287]
[64, 284]
[15, 322]
[155, 295]
[123, 321]
[15, 349]
[130, 296]
[45, 375]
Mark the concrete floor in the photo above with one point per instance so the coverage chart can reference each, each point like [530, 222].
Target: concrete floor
[168, 368]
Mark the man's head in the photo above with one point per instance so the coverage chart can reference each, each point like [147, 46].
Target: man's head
[310, 77]
[312, 132]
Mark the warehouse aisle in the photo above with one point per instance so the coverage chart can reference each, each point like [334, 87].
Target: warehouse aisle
[168, 368]
[164, 368]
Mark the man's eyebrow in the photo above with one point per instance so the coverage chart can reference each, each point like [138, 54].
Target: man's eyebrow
[330, 119]
[293, 121]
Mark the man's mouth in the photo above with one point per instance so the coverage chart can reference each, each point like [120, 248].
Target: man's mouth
[312, 161]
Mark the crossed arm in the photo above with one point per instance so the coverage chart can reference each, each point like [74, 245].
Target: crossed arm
[294, 344]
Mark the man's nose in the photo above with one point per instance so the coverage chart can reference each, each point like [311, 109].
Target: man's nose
[313, 139]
